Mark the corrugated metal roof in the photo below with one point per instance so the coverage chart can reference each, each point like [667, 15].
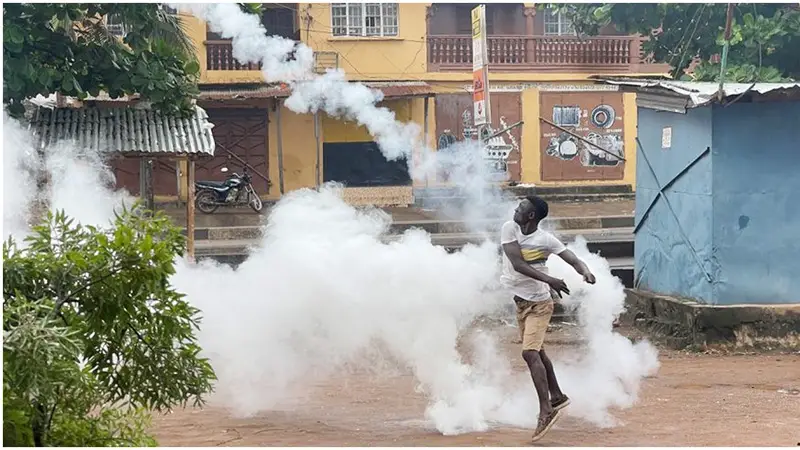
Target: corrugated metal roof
[390, 89]
[394, 89]
[244, 92]
[702, 93]
[126, 130]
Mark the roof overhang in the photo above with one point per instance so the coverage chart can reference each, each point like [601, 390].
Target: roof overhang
[672, 95]
[129, 131]
[389, 89]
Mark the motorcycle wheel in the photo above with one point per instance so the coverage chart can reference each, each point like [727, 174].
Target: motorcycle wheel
[255, 202]
[206, 202]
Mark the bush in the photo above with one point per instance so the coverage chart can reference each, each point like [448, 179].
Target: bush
[94, 335]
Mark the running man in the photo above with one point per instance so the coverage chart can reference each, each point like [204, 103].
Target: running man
[525, 251]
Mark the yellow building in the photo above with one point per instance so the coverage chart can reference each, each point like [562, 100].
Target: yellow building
[419, 55]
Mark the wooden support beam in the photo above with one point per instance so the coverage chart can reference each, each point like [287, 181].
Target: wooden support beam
[425, 133]
[280, 144]
[146, 183]
[190, 211]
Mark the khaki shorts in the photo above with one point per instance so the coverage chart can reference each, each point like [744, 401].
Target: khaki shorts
[533, 319]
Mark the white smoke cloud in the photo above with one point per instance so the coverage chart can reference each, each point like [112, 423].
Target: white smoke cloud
[322, 293]
[78, 182]
[20, 165]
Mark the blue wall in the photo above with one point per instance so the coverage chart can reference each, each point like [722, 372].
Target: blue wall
[664, 260]
[756, 202]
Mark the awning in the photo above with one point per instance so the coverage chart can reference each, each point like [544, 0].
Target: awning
[126, 130]
[390, 89]
[695, 93]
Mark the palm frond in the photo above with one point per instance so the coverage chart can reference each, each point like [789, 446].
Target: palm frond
[174, 31]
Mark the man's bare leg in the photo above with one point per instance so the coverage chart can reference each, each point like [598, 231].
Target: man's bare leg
[552, 383]
[556, 396]
[539, 377]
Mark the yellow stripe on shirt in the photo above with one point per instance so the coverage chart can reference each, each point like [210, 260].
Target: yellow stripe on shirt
[532, 256]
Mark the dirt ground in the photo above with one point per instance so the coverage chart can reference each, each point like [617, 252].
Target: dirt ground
[694, 400]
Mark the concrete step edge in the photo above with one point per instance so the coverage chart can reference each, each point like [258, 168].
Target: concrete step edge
[436, 227]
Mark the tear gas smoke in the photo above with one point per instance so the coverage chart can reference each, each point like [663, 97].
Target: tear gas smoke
[284, 60]
[78, 182]
[322, 291]
[311, 299]
[20, 166]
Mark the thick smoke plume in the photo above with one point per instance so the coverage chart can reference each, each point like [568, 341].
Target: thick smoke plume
[312, 300]
[322, 291]
[284, 60]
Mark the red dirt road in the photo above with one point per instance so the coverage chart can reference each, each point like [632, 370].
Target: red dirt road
[694, 400]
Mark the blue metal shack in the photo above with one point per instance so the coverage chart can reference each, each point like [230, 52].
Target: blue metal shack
[718, 191]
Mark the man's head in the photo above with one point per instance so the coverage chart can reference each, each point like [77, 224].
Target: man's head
[531, 209]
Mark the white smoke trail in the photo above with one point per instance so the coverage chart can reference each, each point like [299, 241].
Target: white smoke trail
[284, 60]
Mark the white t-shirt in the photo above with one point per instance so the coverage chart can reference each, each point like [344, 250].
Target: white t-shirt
[536, 248]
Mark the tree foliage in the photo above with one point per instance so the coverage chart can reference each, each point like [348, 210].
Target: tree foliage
[765, 44]
[94, 336]
[67, 48]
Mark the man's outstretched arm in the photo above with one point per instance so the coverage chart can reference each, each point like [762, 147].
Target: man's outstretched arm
[514, 254]
[578, 265]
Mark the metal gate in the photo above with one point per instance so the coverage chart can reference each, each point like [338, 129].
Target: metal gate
[454, 122]
[241, 135]
[597, 117]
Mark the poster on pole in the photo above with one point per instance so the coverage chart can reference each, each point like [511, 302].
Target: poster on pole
[480, 68]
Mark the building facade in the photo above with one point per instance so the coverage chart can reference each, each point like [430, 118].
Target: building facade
[575, 131]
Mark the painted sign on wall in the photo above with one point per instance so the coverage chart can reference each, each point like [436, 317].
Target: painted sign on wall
[597, 117]
[454, 123]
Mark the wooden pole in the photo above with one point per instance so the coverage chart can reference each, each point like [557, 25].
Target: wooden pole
[581, 138]
[319, 152]
[190, 211]
[280, 145]
[725, 48]
[149, 195]
[425, 131]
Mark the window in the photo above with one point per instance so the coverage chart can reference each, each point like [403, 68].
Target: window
[364, 19]
[115, 26]
[557, 24]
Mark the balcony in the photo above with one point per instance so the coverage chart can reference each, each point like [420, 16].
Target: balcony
[219, 56]
[520, 53]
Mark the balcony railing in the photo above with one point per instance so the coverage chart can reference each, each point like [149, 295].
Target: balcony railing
[219, 56]
[537, 53]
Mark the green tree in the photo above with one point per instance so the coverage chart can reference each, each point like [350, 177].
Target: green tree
[68, 48]
[94, 335]
[765, 44]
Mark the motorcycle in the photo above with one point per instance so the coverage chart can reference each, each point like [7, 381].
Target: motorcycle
[235, 190]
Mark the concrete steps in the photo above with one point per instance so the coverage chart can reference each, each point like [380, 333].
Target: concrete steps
[438, 197]
[436, 227]
[597, 239]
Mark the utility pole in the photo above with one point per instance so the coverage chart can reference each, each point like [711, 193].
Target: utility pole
[725, 48]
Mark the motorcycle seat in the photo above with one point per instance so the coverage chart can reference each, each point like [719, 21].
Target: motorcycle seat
[211, 184]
